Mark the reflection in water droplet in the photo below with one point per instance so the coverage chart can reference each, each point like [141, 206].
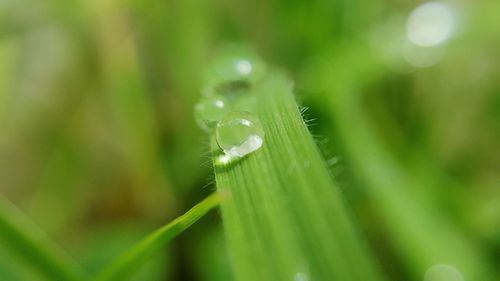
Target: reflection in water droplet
[223, 159]
[430, 24]
[210, 110]
[239, 134]
[443, 272]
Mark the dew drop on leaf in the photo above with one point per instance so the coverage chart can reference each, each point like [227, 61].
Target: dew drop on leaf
[233, 71]
[210, 110]
[239, 133]
[300, 276]
[443, 272]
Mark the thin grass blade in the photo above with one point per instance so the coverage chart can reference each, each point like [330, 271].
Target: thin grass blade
[34, 247]
[125, 265]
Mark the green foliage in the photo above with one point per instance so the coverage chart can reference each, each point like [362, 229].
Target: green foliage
[32, 245]
[284, 217]
[419, 231]
[97, 131]
[131, 260]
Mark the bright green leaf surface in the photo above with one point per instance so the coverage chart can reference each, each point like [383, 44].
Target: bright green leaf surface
[285, 219]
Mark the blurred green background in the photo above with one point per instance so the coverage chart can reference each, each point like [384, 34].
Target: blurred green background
[99, 147]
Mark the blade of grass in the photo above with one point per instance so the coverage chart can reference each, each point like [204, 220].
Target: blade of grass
[422, 235]
[128, 263]
[34, 247]
[284, 218]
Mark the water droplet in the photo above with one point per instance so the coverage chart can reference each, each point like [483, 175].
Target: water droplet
[210, 110]
[300, 276]
[443, 272]
[223, 159]
[238, 69]
[239, 133]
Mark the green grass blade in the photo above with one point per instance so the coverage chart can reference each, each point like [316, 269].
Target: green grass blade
[130, 261]
[34, 247]
[284, 218]
[422, 235]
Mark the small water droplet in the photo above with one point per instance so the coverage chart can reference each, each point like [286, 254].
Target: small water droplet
[210, 110]
[234, 71]
[300, 276]
[239, 133]
[443, 272]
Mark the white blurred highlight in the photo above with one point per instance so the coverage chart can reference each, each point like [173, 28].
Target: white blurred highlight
[244, 67]
[431, 24]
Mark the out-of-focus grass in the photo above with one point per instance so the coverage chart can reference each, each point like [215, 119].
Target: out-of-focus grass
[96, 122]
[420, 233]
[30, 244]
[133, 259]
